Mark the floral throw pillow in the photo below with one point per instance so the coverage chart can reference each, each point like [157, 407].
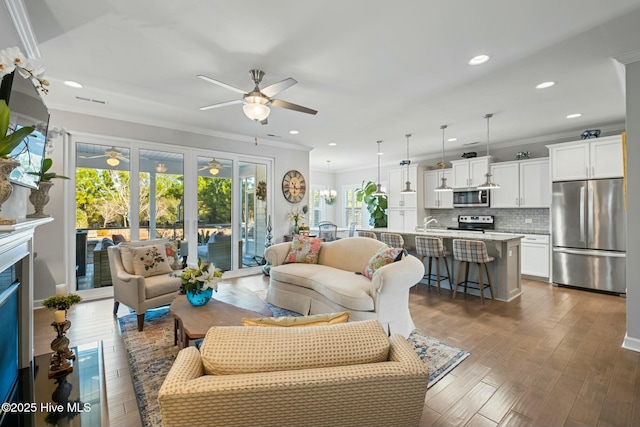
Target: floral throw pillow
[150, 261]
[171, 249]
[382, 257]
[304, 250]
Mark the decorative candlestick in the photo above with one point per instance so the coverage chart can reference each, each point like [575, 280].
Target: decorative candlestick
[61, 360]
[266, 268]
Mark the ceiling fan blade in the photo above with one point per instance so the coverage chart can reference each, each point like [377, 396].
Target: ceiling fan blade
[93, 157]
[221, 104]
[290, 106]
[221, 84]
[276, 88]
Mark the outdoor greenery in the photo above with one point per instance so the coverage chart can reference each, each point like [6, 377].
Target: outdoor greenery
[102, 198]
[376, 205]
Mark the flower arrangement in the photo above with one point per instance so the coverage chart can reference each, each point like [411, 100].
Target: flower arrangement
[298, 213]
[200, 277]
[12, 59]
[61, 302]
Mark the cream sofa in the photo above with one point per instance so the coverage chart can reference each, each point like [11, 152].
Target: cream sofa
[332, 284]
[350, 374]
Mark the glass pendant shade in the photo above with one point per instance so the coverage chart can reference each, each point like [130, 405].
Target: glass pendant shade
[443, 184]
[379, 191]
[329, 195]
[407, 188]
[488, 184]
[256, 111]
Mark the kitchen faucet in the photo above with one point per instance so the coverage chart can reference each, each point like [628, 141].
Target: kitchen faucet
[428, 220]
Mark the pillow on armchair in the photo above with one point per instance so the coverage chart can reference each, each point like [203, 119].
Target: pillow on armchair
[150, 260]
[118, 238]
[382, 257]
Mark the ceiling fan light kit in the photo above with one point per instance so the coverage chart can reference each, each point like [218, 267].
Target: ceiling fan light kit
[112, 161]
[488, 184]
[256, 104]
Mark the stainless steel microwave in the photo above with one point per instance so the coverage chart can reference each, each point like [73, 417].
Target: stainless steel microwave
[466, 197]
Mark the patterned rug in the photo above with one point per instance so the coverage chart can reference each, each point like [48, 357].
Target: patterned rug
[151, 354]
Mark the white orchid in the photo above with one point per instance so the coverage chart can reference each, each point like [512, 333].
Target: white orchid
[12, 58]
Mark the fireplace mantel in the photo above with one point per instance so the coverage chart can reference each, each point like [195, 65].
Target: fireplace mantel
[16, 245]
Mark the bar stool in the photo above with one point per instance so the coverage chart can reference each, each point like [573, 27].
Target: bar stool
[392, 239]
[369, 234]
[472, 251]
[432, 247]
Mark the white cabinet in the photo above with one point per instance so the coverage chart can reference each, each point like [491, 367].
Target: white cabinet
[470, 172]
[523, 184]
[397, 182]
[402, 219]
[587, 159]
[535, 255]
[437, 199]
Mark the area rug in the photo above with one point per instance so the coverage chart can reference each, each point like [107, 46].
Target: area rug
[151, 354]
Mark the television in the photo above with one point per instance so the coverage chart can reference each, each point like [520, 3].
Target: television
[27, 109]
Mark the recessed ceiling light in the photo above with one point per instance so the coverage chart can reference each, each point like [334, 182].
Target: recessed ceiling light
[573, 116]
[332, 144]
[545, 85]
[294, 132]
[73, 84]
[452, 139]
[480, 59]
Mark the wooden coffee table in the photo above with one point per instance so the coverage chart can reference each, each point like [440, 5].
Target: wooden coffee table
[229, 305]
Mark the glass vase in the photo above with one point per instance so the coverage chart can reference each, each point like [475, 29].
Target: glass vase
[296, 227]
[198, 298]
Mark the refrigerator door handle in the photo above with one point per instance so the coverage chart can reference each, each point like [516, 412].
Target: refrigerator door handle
[581, 214]
[591, 253]
[590, 225]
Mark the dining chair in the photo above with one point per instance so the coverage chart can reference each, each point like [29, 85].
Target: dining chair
[328, 231]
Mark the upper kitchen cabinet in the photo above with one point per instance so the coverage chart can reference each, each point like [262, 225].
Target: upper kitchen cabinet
[397, 182]
[587, 159]
[437, 199]
[469, 172]
[523, 184]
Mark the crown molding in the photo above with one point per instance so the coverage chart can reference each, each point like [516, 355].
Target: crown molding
[22, 25]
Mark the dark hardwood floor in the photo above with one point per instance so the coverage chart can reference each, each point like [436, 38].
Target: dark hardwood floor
[552, 357]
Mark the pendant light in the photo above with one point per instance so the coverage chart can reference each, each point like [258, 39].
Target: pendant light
[407, 188]
[442, 165]
[488, 185]
[379, 191]
[329, 195]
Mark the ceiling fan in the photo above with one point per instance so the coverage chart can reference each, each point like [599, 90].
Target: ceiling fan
[112, 154]
[213, 166]
[256, 103]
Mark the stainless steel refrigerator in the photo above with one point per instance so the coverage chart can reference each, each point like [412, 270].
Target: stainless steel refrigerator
[589, 234]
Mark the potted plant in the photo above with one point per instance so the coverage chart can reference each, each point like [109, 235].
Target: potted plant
[376, 204]
[40, 197]
[199, 282]
[8, 141]
[61, 302]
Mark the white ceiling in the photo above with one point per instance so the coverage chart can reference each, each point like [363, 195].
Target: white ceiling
[375, 70]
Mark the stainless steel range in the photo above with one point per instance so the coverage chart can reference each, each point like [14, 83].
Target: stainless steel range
[478, 223]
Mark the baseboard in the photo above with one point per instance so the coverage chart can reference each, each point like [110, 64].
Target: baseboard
[631, 343]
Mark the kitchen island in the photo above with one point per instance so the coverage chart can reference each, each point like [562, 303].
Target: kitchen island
[504, 247]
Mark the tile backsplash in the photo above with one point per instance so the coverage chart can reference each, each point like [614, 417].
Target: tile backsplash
[508, 220]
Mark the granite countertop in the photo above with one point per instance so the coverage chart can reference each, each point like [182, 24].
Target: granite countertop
[453, 234]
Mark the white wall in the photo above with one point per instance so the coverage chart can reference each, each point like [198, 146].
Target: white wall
[53, 256]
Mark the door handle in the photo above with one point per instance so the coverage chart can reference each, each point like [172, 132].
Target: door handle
[581, 214]
[586, 171]
[593, 171]
[590, 213]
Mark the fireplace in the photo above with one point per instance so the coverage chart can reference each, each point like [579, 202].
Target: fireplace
[16, 305]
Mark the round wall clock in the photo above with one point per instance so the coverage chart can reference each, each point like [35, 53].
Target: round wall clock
[294, 186]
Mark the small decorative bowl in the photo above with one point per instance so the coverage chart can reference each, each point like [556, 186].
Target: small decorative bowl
[441, 165]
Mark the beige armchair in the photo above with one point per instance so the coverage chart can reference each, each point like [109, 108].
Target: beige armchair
[138, 292]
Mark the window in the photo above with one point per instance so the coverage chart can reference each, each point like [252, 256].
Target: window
[316, 206]
[353, 209]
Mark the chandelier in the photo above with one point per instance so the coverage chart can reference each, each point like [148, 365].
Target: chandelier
[328, 195]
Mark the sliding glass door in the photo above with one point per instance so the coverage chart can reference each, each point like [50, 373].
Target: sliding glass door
[253, 212]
